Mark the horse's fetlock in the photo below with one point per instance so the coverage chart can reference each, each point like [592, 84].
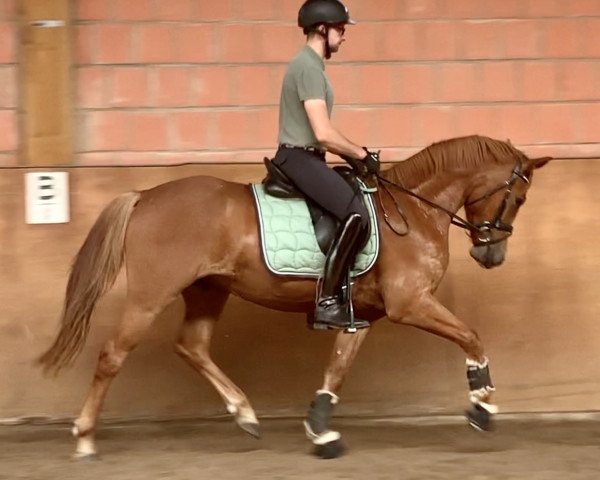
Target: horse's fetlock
[320, 411]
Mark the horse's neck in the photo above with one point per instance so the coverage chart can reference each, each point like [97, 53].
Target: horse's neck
[446, 190]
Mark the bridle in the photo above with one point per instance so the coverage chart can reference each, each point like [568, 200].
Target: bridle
[484, 229]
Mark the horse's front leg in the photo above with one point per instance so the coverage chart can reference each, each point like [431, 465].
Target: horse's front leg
[428, 314]
[327, 442]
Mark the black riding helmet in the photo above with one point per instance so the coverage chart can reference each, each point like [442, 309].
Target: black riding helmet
[323, 12]
[329, 12]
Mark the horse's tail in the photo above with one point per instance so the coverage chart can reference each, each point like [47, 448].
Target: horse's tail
[93, 272]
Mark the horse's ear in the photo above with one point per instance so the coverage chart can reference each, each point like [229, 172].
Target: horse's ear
[540, 162]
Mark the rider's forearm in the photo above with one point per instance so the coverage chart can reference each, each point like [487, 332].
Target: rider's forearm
[336, 143]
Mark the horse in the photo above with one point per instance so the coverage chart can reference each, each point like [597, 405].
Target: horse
[160, 235]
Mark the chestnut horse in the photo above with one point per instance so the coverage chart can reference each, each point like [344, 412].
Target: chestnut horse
[162, 237]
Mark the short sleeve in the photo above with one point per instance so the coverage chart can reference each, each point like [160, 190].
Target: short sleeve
[311, 84]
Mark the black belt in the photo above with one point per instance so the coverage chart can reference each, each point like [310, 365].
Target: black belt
[310, 149]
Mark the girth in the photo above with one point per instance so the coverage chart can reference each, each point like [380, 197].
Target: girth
[277, 184]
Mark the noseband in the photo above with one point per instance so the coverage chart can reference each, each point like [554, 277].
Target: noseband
[484, 229]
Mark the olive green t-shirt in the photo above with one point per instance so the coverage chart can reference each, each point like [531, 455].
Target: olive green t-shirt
[304, 79]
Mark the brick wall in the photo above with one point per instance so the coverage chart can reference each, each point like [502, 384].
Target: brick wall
[169, 81]
[186, 80]
[8, 83]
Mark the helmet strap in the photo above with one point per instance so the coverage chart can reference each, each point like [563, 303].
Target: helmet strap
[325, 35]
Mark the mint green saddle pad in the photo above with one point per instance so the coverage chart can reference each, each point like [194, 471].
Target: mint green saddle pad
[288, 241]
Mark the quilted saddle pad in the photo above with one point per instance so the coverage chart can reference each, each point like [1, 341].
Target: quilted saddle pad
[288, 241]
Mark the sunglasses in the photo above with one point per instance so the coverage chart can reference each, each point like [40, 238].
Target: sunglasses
[341, 29]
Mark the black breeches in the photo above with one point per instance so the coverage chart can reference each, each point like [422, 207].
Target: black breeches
[321, 184]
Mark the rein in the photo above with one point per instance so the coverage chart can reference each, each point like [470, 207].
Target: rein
[484, 227]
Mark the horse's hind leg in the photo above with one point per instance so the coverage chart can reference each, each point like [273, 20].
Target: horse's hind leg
[204, 303]
[327, 442]
[134, 323]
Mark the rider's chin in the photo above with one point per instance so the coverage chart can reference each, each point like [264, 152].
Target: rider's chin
[489, 256]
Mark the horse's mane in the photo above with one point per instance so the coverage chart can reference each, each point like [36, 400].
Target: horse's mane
[456, 153]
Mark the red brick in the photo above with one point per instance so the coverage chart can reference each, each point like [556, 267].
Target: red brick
[555, 123]
[92, 87]
[438, 40]
[235, 128]
[239, 43]
[466, 9]
[583, 7]
[8, 86]
[148, 131]
[481, 39]
[8, 34]
[476, 119]
[93, 10]
[156, 43]
[355, 123]
[499, 81]
[591, 27]
[192, 130]
[196, 43]
[417, 83]
[113, 43]
[398, 41]
[587, 119]
[394, 126]
[378, 83]
[287, 10]
[85, 44]
[175, 9]
[107, 130]
[420, 9]
[8, 127]
[266, 128]
[361, 43]
[517, 123]
[546, 8]
[129, 87]
[254, 85]
[211, 86]
[564, 38]
[257, 9]
[173, 86]
[539, 81]
[374, 10]
[277, 43]
[505, 9]
[434, 123]
[579, 80]
[344, 81]
[458, 82]
[135, 10]
[216, 10]
[521, 39]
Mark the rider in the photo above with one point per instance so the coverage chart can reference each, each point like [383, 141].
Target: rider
[306, 134]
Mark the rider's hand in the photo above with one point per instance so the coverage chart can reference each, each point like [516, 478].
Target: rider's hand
[357, 165]
[372, 162]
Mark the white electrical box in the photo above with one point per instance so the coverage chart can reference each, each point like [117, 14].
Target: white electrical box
[47, 197]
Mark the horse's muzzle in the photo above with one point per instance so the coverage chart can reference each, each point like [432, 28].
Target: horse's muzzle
[489, 256]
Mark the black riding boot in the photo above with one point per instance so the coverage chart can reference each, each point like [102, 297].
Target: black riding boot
[331, 312]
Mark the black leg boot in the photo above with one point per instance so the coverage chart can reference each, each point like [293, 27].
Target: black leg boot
[331, 312]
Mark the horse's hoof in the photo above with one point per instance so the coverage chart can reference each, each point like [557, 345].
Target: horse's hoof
[479, 418]
[330, 450]
[252, 429]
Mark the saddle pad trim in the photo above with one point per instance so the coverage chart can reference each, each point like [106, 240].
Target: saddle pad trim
[258, 190]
